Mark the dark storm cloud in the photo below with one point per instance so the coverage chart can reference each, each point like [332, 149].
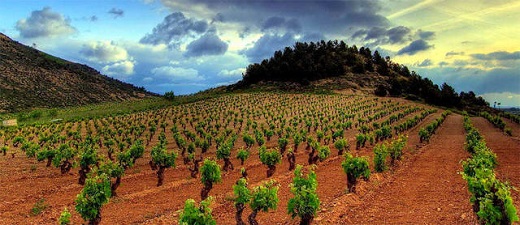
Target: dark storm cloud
[280, 23]
[327, 16]
[500, 55]
[395, 35]
[273, 22]
[398, 34]
[173, 28]
[414, 47]
[44, 23]
[208, 44]
[116, 12]
[426, 35]
[381, 35]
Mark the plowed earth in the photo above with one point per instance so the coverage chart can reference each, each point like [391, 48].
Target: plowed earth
[423, 188]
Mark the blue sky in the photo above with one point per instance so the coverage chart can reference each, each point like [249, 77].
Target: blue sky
[192, 45]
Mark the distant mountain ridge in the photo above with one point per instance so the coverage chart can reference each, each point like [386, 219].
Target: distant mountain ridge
[30, 78]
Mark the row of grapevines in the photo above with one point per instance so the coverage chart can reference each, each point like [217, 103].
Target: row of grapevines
[497, 122]
[491, 198]
[425, 133]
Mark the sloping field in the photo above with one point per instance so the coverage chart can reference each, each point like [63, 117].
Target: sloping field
[423, 187]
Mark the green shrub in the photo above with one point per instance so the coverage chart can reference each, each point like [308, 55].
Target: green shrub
[380, 154]
[396, 148]
[264, 197]
[63, 158]
[355, 167]
[210, 173]
[305, 202]
[162, 159]
[39, 207]
[242, 196]
[323, 152]
[64, 217]
[193, 214]
[242, 155]
[341, 145]
[94, 195]
[270, 158]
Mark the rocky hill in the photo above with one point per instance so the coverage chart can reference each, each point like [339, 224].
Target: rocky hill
[30, 78]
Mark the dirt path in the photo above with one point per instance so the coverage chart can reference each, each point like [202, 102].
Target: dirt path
[428, 191]
[508, 154]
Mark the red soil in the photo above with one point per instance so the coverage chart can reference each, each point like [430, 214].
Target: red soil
[429, 190]
[422, 183]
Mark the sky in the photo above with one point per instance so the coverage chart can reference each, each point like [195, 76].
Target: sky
[192, 45]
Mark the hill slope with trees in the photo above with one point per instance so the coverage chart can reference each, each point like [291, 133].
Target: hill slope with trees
[306, 64]
[30, 78]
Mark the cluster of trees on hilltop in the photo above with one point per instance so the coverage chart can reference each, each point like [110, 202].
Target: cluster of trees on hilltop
[305, 62]
[310, 61]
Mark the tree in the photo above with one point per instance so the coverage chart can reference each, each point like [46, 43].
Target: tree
[264, 197]
[169, 95]
[94, 195]
[270, 158]
[449, 97]
[355, 167]
[242, 196]
[193, 214]
[305, 202]
[210, 173]
[162, 159]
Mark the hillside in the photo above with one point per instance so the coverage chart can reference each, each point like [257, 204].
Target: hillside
[30, 79]
[337, 66]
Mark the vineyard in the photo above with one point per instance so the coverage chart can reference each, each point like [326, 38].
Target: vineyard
[264, 158]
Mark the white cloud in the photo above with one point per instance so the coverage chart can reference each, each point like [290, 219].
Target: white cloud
[104, 52]
[177, 74]
[120, 69]
[236, 73]
[44, 23]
